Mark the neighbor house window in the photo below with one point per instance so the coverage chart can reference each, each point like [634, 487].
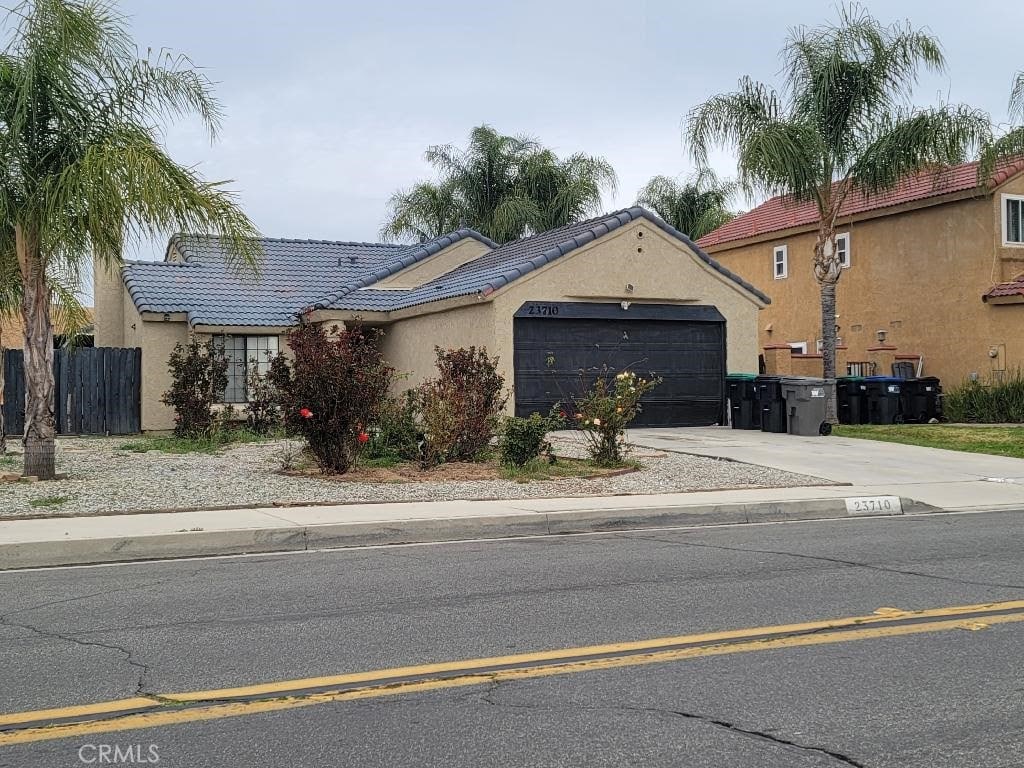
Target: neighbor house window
[798, 346]
[1013, 220]
[241, 353]
[781, 262]
[843, 249]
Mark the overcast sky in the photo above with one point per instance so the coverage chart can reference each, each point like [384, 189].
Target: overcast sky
[330, 105]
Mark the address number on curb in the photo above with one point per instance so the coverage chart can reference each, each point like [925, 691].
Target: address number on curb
[874, 505]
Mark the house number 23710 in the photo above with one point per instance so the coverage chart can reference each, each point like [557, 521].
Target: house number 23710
[544, 310]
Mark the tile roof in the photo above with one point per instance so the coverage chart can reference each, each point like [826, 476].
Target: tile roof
[783, 212]
[501, 266]
[1014, 287]
[294, 274]
[301, 274]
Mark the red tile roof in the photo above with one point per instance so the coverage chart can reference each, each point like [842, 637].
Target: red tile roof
[1013, 288]
[784, 213]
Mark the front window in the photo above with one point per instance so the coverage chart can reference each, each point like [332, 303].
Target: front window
[243, 353]
[1013, 220]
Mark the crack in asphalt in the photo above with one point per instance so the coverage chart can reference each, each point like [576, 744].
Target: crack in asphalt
[129, 656]
[488, 698]
[824, 559]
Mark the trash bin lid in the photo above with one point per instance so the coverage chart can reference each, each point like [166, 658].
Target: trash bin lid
[892, 379]
[741, 377]
[807, 381]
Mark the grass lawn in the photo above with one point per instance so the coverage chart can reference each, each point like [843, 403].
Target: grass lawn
[998, 441]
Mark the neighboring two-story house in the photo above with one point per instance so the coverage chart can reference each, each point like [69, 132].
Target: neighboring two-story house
[934, 276]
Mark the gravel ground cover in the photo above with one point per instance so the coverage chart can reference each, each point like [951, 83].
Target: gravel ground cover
[104, 479]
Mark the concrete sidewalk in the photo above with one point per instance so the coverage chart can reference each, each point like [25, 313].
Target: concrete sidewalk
[112, 538]
[877, 478]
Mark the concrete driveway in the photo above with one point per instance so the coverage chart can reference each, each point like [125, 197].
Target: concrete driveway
[947, 479]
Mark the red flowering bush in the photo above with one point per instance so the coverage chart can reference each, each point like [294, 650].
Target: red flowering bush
[460, 408]
[333, 387]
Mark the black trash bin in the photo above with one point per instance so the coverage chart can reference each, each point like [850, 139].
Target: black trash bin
[922, 399]
[852, 400]
[744, 411]
[885, 400]
[772, 403]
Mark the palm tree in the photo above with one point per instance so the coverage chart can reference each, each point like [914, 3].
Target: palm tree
[84, 173]
[842, 124]
[502, 186]
[696, 206]
[71, 317]
[1011, 143]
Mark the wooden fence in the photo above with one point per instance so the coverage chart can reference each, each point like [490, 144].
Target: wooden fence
[97, 392]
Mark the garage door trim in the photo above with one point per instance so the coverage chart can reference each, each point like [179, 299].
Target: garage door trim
[580, 310]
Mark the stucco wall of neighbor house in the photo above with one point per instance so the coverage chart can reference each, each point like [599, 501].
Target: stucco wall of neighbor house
[1009, 259]
[918, 275]
[408, 345]
[109, 300]
[440, 263]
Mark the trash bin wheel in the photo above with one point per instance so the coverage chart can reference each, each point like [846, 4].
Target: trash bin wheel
[825, 429]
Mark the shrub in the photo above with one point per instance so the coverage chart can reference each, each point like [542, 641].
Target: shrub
[994, 403]
[604, 412]
[198, 379]
[262, 410]
[523, 440]
[396, 434]
[461, 407]
[333, 388]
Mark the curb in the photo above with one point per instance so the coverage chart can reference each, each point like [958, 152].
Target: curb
[186, 544]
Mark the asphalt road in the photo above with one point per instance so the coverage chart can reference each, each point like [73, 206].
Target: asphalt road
[948, 698]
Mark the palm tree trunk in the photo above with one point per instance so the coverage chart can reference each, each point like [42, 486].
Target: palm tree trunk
[827, 270]
[828, 344]
[40, 425]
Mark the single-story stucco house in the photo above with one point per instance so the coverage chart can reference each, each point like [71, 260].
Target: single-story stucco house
[621, 290]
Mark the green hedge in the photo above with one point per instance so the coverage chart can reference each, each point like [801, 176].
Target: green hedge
[993, 403]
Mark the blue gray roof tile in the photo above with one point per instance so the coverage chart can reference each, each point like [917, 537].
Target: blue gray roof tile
[501, 266]
[300, 274]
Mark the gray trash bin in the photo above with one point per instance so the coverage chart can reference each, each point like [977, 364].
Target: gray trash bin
[805, 404]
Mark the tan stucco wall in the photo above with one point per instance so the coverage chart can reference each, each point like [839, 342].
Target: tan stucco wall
[919, 275]
[663, 271]
[408, 345]
[108, 298]
[440, 263]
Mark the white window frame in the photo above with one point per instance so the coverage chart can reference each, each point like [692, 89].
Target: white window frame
[845, 236]
[784, 252]
[1004, 199]
[798, 346]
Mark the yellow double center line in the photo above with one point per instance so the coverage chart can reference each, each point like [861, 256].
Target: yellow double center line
[195, 706]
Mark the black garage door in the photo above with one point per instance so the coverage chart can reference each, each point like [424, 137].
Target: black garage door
[561, 347]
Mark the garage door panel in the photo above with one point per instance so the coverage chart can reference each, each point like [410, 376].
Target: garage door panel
[558, 358]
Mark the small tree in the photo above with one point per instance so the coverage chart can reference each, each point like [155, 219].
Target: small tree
[461, 407]
[198, 380]
[332, 390]
[262, 409]
[604, 412]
